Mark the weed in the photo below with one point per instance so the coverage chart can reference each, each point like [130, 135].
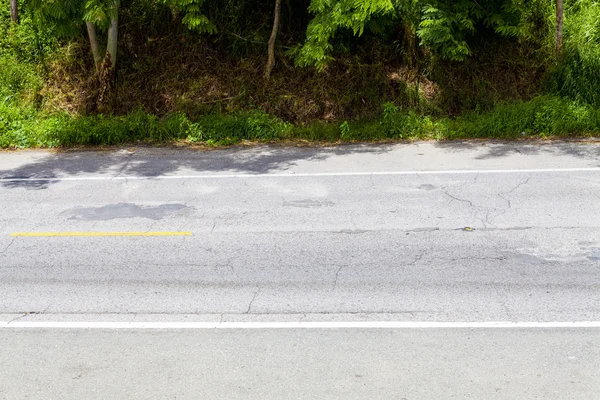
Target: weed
[577, 75]
[542, 117]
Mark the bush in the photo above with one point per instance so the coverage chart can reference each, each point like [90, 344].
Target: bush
[543, 116]
[33, 129]
[17, 80]
[577, 75]
[398, 125]
[247, 125]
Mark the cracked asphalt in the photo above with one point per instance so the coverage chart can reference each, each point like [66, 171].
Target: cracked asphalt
[462, 232]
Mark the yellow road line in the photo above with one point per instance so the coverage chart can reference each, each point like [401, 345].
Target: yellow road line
[88, 234]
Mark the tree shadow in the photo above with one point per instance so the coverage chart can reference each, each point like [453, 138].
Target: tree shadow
[154, 162]
[499, 149]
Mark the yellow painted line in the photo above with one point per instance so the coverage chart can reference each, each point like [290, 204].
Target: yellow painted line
[90, 234]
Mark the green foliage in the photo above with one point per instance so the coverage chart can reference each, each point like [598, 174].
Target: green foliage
[19, 129]
[443, 26]
[316, 132]
[382, 66]
[100, 12]
[21, 48]
[28, 41]
[18, 81]
[62, 17]
[247, 125]
[577, 74]
[542, 117]
[194, 19]
[447, 25]
[408, 125]
[331, 16]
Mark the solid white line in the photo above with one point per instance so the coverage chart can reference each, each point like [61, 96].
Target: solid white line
[291, 175]
[20, 324]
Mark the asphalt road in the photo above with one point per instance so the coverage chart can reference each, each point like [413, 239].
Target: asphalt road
[482, 259]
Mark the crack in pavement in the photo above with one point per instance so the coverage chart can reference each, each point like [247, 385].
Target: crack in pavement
[485, 221]
[508, 201]
[17, 318]
[488, 211]
[469, 202]
[337, 275]
[25, 314]
[252, 301]
[8, 246]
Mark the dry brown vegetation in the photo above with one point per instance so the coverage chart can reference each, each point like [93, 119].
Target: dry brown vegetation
[179, 72]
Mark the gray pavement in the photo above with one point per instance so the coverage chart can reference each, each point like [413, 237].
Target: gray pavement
[446, 232]
[289, 364]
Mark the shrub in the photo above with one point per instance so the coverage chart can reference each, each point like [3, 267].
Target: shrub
[577, 75]
[543, 116]
[19, 82]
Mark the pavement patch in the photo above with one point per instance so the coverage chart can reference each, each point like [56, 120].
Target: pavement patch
[123, 210]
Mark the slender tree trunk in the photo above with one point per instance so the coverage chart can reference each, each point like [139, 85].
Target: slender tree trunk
[559, 26]
[272, 39]
[91, 29]
[108, 68]
[113, 36]
[14, 11]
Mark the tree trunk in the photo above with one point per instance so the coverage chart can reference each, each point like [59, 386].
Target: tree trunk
[108, 68]
[272, 39]
[91, 29]
[14, 11]
[559, 26]
[113, 35]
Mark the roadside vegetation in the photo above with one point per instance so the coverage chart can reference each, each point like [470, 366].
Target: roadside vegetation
[217, 72]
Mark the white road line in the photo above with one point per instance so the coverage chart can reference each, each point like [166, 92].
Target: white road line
[291, 175]
[20, 324]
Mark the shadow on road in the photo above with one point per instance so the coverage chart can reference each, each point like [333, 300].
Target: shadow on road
[491, 149]
[149, 162]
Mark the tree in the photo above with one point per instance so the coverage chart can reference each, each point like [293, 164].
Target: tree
[102, 16]
[272, 39]
[68, 15]
[443, 26]
[113, 36]
[14, 11]
[330, 16]
[559, 26]
[93, 38]
[106, 15]
[193, 17]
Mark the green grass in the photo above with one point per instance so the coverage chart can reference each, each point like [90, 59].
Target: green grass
[570, 107]
[542, 117]
[577, 74]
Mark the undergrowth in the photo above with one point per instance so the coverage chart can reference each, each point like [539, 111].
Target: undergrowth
[542, 117]
[577, 75]
[174, 87]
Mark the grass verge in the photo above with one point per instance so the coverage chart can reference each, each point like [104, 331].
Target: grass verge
[542, 117]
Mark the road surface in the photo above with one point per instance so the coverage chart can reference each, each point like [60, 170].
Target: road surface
[421, 271]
